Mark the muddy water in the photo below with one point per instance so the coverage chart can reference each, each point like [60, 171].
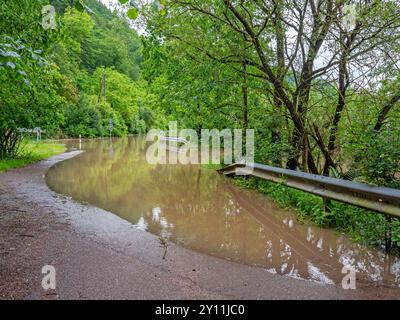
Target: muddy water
[196, 208]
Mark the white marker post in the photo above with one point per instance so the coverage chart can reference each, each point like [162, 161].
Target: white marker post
[38, 134]
[111, 127]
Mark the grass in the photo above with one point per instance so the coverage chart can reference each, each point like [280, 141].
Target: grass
[32, 152]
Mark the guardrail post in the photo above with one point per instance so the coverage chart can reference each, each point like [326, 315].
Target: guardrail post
[326, 205]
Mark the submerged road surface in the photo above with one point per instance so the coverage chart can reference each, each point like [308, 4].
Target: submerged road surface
[98, 255]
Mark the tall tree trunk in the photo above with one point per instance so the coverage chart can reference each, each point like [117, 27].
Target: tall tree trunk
[320, 30]
[245, 89]
[343, 85]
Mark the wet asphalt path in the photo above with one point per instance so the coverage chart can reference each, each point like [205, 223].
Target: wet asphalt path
[97, 255]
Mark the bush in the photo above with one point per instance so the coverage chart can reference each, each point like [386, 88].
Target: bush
[9, 143]
[82, 119]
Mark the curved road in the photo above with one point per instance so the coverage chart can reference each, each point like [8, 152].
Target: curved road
[97, 255]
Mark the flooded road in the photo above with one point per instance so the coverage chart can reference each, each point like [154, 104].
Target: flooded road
[200, 210]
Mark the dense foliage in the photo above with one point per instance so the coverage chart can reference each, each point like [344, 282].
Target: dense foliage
[322, 98]
[321, 91]
[54, 76]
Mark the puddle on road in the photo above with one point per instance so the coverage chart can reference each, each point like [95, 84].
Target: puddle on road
[197, 209]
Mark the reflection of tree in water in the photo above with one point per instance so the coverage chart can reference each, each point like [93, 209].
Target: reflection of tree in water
[316, 253]
[204, 212]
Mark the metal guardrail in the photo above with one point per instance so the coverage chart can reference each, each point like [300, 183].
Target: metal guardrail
[381, 199]
[174, 139]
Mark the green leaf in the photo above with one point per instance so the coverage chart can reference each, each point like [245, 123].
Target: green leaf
[123, 1]
[79, 6]
[11, 65]
[133, 13]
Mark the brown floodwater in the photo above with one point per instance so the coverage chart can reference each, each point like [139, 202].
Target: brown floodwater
[200, 210]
